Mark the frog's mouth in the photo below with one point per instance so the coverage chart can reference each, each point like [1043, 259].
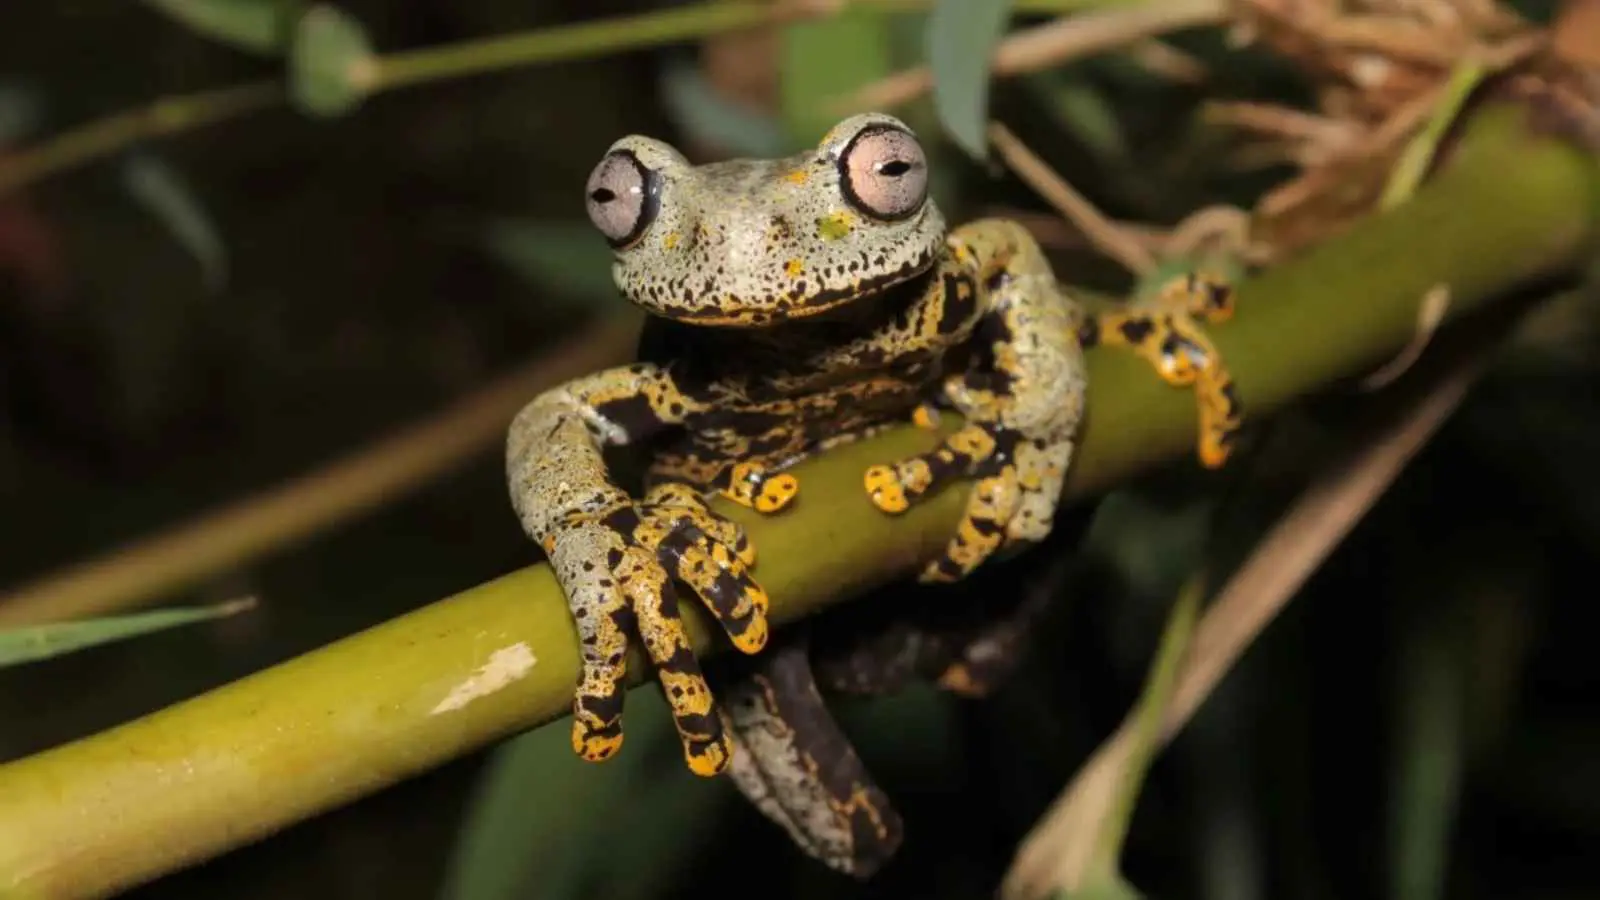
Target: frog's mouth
[801, 304]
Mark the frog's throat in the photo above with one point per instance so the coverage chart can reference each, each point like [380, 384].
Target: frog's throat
[767, 312]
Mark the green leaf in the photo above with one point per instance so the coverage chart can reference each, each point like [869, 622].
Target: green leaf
[569, 258]
[257, 26]
[160, 189]
[56, 639]
[824, 59]
[961, 38]
[543, 823]
[697, 109]
[331, 64]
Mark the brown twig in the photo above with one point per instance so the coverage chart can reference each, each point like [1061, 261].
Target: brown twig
[1105, 235]
[1048, 45]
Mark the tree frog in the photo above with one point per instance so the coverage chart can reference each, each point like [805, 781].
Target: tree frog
[796, 304]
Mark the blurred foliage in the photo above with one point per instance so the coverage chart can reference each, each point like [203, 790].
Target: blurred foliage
[1416, 725]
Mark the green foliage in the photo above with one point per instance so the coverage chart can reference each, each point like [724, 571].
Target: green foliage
[538, 813]
[40, 642]
[961, 39]
[331, 64]
[256, 26]
[825, 59]
[700, 111]
[159, 187]
[566, 259]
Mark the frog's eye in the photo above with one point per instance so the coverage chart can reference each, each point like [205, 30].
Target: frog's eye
[883, 173]
[622, 197]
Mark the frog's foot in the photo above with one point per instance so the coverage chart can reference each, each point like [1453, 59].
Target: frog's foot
[759, 488]
[1019, 485]
[618, 568]
[798, 768]
[1166, 333]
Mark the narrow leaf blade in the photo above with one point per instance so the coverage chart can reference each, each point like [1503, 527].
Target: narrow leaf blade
[161, 190]
[255, 26]
[39, 642]
[961, 39]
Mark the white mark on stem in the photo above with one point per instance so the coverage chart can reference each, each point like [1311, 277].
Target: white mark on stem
[504, 666]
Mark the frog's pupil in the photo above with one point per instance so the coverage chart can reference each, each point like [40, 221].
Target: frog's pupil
[602, 195]
[895, 168]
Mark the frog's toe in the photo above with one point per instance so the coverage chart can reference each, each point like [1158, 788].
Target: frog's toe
[894, 488]
[720, 578]
[705, 745]
[604, 620]
[1041, 470]
[690, 504]
[991, 506]
[761, 489]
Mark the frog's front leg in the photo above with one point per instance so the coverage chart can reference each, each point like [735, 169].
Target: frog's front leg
[617, 558]
[1021, 412]
[798, 768]
[1165, 330]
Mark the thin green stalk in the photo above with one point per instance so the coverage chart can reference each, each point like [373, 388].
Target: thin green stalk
[1104, 865]
[1514, 205]
[1413, 163]
[583, 39]
[168, 116]
[161, 118]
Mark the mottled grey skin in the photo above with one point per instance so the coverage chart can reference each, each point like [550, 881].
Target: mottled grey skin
[797, 303]
[752, 242]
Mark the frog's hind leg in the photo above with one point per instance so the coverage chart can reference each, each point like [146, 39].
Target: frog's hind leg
[967, 643]
[1165, 331]
[794, 764]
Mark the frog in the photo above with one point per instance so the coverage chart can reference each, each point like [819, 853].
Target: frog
[793, 305]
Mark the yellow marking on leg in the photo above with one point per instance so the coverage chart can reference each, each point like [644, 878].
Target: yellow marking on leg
[750, 485]
[990, 507]
[883, 486]
[1193, 360]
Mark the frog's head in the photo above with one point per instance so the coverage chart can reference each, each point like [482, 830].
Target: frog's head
[757, 242]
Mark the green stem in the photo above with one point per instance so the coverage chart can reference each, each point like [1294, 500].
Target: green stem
[169, 116]
[1104, 865]
[161, 118]
[1510, 206]
[583, 39]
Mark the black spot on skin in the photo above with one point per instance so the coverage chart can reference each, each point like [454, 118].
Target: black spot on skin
[1088, 334]
[623, 520]
[1137, 331]
[606, 708]
[986, 527]
[960, 302]
[633, 414]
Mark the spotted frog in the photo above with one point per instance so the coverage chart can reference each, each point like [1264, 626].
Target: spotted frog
[796, 304]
